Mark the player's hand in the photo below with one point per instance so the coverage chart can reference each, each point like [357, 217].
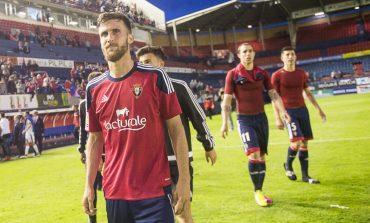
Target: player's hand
[286, 117]
[322, 115]
[83, 158]
[181, 195]
[224, 130]
[211, 155]
[88, 201]
[279, 123]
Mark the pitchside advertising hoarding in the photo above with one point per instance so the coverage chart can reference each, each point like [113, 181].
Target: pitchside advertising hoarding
[337, 87]
[46, 62]
[18, 101]
[52, 100]
[39, 101]
[363, 85]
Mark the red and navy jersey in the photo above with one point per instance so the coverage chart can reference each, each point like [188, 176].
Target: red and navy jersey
[290, 86]
[131, 112]
[248, 87]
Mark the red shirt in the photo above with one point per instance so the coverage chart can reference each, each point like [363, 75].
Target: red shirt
[248, 87]
[290, 86]
[131, 113]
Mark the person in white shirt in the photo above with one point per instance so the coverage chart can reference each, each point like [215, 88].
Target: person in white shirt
[30, 138]
[5, 136]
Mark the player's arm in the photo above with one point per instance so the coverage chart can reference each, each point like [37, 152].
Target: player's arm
[278, 121]
[82, 137]
[275, 82]
[276, 100]
[225, 112]
[180, 146]
[94, 150]
[313, 101]
[196, 115]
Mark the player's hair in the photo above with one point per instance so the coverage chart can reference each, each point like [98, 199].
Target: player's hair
[2, 114]
[156, 50]
[287, 48]
[106, 16]
[244, 44]
[93, 75]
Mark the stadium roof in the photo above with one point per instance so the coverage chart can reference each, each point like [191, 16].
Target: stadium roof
[242, 13]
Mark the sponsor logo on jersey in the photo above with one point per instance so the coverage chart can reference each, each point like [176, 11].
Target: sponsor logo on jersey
[125, 122]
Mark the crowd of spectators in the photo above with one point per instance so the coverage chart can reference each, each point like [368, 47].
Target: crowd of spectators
[130, 10]
[30, 80]
[24, 38]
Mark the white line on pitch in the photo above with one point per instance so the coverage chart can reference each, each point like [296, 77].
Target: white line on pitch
[313, 141]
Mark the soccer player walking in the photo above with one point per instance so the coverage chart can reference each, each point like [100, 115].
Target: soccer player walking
[127, 109]
[291, 83]
[191, 112]
[82, 138]
[247, 82]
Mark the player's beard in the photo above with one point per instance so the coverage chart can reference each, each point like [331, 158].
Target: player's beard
[117, 54]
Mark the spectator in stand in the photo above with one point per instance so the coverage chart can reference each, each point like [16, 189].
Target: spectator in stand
[67, 85]
[26, 47]
[39, 130]
[18, 137]
[73, 72]
[45, 89]
[5, 136]
[6, 68]
[2, 86]
[21, 87]
[60, 88]
[88, 45]
[31, 86]
[11, 86]
[21, 40]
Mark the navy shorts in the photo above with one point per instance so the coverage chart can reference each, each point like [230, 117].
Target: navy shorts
[254, 131]
[153, 210]
[300, 127]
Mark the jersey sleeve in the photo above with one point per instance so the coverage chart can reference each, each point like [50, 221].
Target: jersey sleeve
[92, 121]
[168, 104]
[275, 81]
[229, 82]
[267, 81]
[195, 113]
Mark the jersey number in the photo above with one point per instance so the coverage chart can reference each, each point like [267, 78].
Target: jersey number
[246, 137]
[293, 126]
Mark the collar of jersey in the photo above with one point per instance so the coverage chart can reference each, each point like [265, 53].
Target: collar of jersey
[247, 74]
[124, 76]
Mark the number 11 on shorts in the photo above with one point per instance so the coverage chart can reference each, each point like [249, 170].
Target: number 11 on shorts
[246, 137]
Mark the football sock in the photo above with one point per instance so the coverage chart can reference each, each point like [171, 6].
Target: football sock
[254, 173]
[303, 158]
[27, 149]
[290, 158]
[261, 174]
[36, 148]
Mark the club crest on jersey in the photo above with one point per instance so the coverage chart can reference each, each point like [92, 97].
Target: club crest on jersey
[137, 90]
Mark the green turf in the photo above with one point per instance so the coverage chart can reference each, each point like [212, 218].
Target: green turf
[49, 188]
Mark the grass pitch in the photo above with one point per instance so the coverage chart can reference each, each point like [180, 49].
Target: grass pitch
[49, 188]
